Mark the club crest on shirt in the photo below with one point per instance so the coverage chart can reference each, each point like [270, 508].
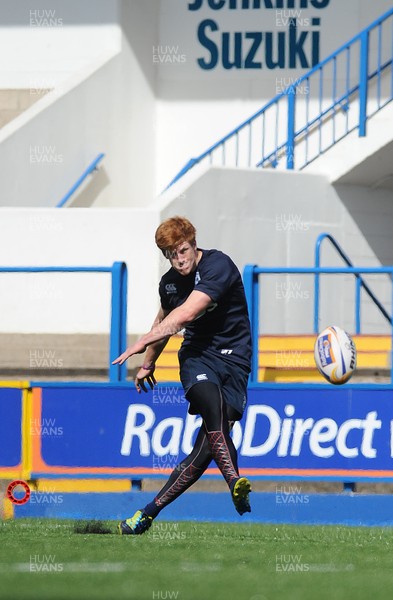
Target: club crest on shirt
[197, 278]
[170, 288]
[202, 377]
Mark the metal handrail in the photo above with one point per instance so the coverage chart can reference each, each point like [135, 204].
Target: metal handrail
[251, 285]
[361, 88]
[118, 329]
[359, 284]
[90, 169]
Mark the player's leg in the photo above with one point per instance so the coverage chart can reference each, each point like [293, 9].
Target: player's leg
[213, 442]
[206, 399]
[182, 477]
[188, 471]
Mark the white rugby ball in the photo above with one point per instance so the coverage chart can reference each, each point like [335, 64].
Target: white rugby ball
[335, 355]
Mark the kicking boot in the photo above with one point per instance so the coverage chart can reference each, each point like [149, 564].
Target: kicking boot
[136, 525]
[240, 498]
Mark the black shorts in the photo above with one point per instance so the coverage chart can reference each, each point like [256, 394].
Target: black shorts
[230, 377]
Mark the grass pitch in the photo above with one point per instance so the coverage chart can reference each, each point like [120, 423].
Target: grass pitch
[47, 559]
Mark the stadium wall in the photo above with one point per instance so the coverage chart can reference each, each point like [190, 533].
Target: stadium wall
[259, 217]
[76, 303]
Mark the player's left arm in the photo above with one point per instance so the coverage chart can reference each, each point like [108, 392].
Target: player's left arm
[195, 306]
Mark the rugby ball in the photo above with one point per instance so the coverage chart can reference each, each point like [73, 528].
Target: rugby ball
[335, 355]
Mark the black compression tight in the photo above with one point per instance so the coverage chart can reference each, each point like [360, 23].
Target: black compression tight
[206, 398]
[213, 442]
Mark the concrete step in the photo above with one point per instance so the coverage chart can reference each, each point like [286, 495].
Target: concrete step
[61, 356]
[14, 102]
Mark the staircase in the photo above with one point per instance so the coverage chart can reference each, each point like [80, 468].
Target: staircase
[290, 358]
[335, 98]
[14, 102]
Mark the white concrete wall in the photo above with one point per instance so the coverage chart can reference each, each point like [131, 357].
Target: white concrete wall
[135, 98]
[76, 303]
[273, 219]
[45, 150]
[46, 42]
[100, 64]
[353, 153]
[259, 217]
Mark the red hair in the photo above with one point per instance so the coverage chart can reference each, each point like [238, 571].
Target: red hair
[173, 232]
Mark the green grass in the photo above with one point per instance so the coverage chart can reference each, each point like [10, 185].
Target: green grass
[200, 561]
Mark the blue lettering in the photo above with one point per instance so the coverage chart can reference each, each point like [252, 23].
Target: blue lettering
[237, 59]
[280, 62]
[296, 47]
[319, 3]
[249, 62]
[315, 47]
[196, 6]
[283, 49]
[257, 4]
[216, 4]
[208, 44]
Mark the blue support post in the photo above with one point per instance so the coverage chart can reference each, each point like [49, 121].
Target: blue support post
[316, 281]
[316, 302]
[391, 338]
[363, 82]
[291, 93]
[248, 275]
[118, 335]
[255, 328]
[357, 304]
[251, 288]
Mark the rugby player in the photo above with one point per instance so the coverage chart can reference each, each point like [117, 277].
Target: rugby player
[202, 293]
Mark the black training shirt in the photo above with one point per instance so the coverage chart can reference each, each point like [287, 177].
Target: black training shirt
[224, 328]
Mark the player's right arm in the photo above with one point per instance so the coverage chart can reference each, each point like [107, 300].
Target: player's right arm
[154, 350]
[146, 371]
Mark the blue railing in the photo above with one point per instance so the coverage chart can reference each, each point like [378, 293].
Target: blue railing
[118, 327]
[360, 283]
[90, 169]
[340, 94]
[251, 284]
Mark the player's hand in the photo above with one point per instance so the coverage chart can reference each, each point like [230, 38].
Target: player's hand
[145, 375]
[137, 348]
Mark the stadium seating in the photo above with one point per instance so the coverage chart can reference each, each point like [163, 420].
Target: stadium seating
[290, 358]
